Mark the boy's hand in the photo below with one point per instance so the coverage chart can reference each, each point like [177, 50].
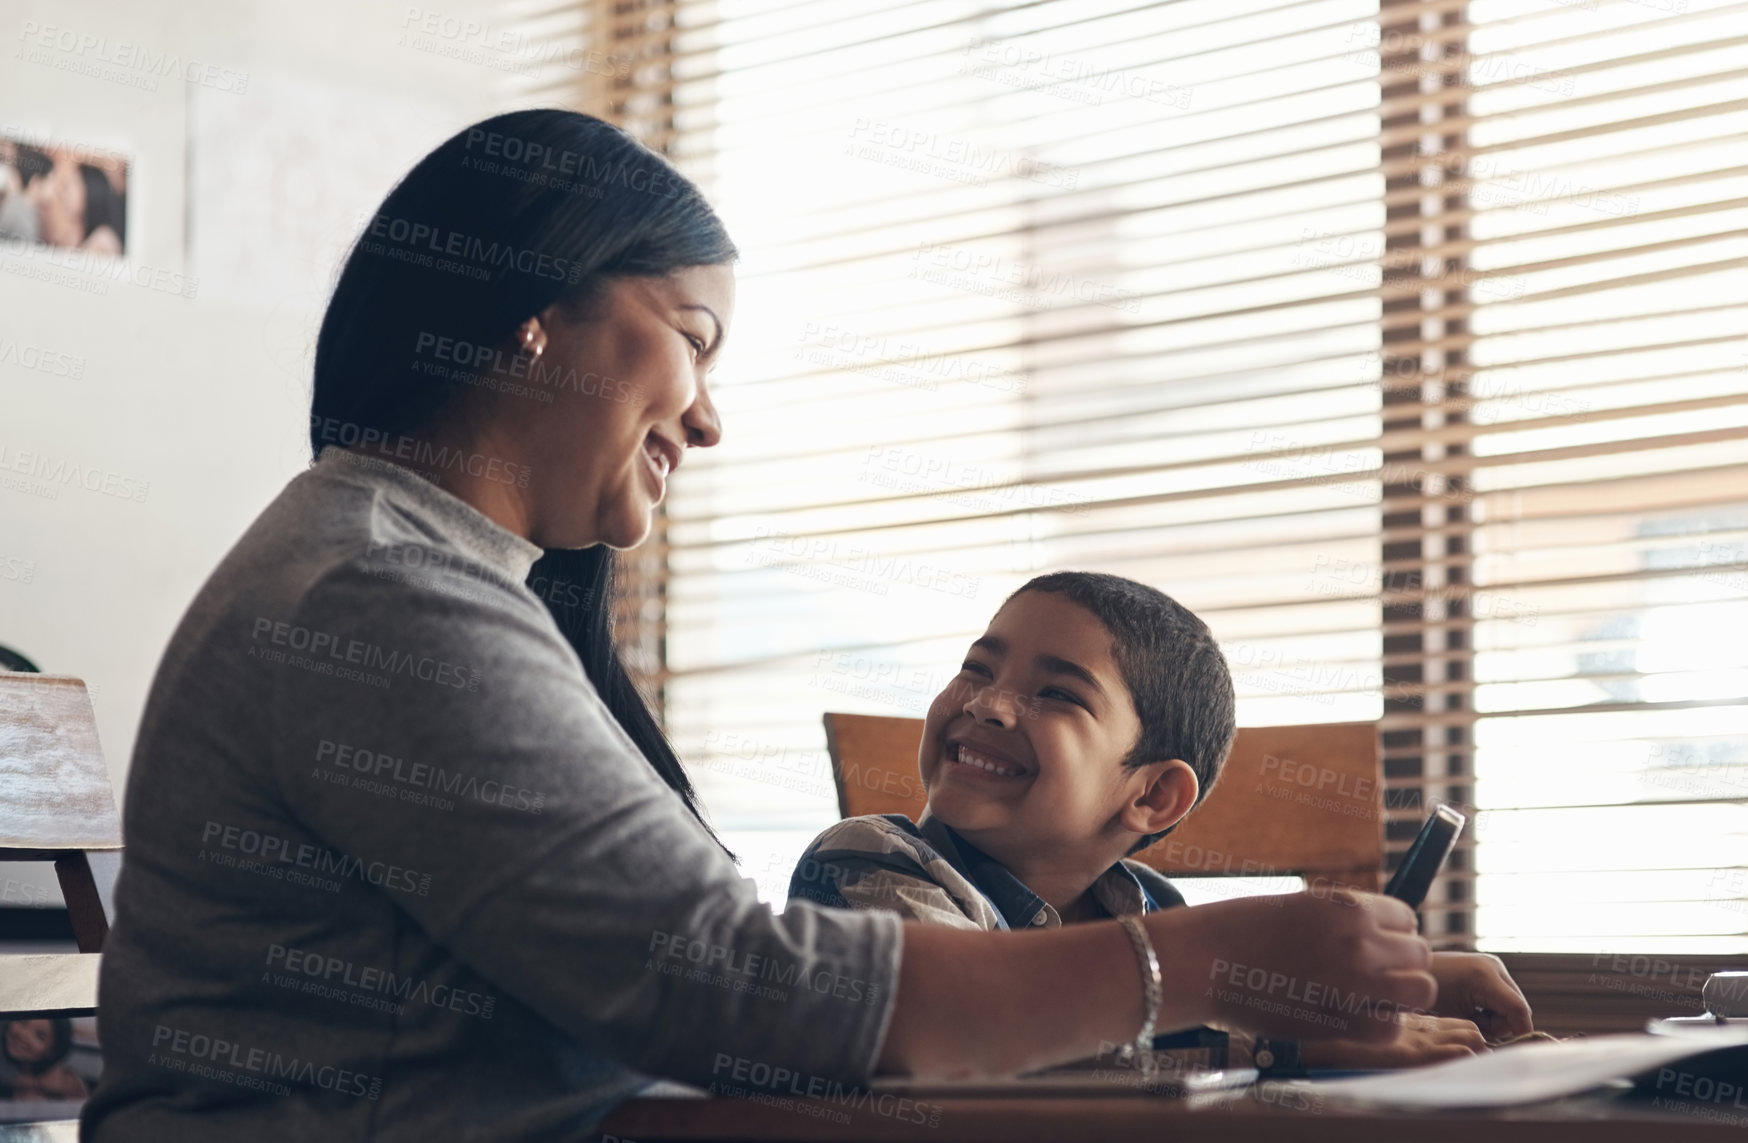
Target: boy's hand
[1307, 967]
[1476, 987]
[1424, 1040]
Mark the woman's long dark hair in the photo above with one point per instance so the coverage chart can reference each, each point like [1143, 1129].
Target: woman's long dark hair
[103, 207]
[501, 221]
[574, 583]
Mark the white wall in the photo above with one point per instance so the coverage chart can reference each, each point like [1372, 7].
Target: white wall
[202, 401]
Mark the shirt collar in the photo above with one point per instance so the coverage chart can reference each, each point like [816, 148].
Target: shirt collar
[1117, 890]
[470, 530]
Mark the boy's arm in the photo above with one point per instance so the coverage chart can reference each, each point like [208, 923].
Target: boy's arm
[1477, 987]
[867, 864]
[1477, 1000]
[1425, 1039]
[913, 898]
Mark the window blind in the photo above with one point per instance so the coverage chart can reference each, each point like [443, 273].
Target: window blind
[1565, 603]
[1366, 332]
[1024, 287]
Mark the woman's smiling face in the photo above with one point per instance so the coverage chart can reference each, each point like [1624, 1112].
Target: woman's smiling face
[627, 376]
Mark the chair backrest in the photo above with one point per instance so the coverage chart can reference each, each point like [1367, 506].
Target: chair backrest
[55, 805]
[1291, 800]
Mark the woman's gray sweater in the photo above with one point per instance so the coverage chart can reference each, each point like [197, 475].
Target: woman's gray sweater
[393, 872]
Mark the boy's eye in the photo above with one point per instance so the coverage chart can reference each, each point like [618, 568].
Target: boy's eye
[974, 667]
[1059, 693]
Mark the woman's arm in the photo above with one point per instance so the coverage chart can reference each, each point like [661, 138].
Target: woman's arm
[987, 1004]
[547, 856]
[570, 877]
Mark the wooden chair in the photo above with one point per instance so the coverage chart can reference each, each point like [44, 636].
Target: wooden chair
[1291, 800]
[55, 805]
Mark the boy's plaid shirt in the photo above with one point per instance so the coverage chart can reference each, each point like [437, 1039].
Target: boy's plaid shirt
[926, 872]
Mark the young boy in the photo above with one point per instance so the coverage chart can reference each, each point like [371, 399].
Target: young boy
[1085, 723]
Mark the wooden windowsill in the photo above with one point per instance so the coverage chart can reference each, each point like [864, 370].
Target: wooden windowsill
[1585, 994]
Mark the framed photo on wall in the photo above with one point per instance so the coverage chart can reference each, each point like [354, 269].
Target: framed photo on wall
[60, 194]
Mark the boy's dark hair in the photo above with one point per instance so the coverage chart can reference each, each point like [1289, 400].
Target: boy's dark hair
[1175, 673]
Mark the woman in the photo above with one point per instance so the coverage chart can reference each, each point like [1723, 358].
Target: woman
[404, 863]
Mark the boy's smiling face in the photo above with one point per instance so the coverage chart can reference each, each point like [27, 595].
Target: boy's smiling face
[1022, 752]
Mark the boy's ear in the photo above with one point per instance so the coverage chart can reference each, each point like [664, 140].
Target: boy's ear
[1170, 791]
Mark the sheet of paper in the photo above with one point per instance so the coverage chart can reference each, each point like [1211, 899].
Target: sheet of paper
[1526, 1073]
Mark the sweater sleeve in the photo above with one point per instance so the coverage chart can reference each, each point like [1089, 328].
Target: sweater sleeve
[567, 872]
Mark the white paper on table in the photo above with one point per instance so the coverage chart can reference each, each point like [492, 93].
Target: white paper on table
[1525, 1073]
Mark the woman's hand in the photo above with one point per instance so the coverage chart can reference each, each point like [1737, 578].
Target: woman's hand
[1476, 987]
[1423, 1040]
[1304, 966]
[1296, 965]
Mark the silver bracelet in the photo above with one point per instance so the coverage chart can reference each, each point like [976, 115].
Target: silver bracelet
[1152, 991]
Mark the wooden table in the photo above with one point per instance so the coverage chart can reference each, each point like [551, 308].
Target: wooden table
[1116, 1119]
[1018, 1118]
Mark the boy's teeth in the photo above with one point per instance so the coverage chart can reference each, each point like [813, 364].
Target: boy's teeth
[966, 757]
